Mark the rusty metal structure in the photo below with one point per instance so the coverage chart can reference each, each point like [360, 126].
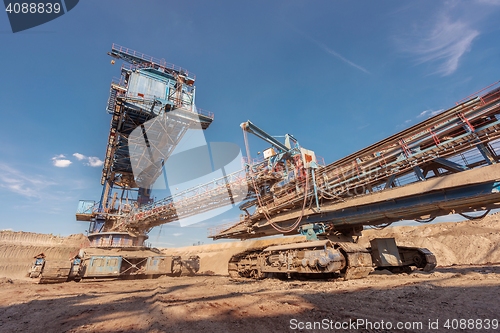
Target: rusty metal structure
[152, 105]
[447, 164]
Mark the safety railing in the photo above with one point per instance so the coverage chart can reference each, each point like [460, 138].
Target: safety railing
[119, 81]
[251, 161]
[215, 230]
[204, 112]
[139, 97]
[146, 58]
[320, 160]
[86, 207]
[404, 151]
[186, 199]
[478, 93]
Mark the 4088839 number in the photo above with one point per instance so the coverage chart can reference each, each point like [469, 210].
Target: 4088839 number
[471, 324]
[33, 8]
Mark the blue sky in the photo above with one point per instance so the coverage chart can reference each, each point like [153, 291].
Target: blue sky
[338, 75]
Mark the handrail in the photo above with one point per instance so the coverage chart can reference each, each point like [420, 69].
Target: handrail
[476, 93]
[152, 98]
[239, 176]
[160, 62]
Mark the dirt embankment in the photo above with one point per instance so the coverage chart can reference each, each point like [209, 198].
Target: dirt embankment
[463, 243]
[453, 243]
[17, 250]
[473, 242]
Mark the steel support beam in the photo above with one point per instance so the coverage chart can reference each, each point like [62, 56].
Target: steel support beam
[488, 157]
[449, 165]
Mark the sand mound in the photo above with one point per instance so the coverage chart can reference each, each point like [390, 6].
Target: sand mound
[17, 250]
[453, 243]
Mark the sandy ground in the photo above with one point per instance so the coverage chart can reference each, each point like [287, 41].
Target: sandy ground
[465, 286]
[219, 304]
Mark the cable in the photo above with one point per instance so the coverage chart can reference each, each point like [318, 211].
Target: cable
[475, 217]
[430, 219]
[330, 195]
[282, 230]
[268, 218]
[380, 227]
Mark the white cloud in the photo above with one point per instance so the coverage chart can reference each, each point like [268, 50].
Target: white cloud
[429, 113]
[423, 113]
[92, 160]
[95, 161]
[177, 234]
[405, 124]
[19, 183]
[60, 161]
[443, 44]
[332, 52]
[79, 156]
[426, 113]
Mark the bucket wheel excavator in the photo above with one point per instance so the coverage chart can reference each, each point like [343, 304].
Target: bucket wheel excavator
[447, 164]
